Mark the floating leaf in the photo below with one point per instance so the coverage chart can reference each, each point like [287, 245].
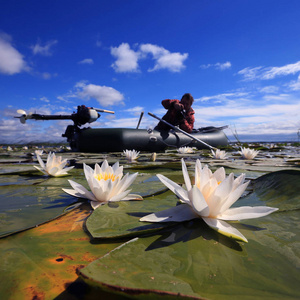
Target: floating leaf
[193, 260]
[24, 206]
[121, 219]
[278, 189]
[41, 263]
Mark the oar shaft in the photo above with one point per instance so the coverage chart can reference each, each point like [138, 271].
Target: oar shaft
[140, 119]
[182, 131]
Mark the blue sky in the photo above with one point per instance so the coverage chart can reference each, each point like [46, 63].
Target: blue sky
[239, 59]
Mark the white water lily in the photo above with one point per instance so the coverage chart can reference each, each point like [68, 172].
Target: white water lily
[38, 152]
[248, 153]
[185, 150]
[131, 155]
[54, 166]
[106, 184]
[219, 154]
[210, 198]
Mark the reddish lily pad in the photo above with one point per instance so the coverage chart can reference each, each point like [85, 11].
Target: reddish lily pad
[41, 263]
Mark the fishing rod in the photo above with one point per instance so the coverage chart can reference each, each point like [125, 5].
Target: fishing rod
[182, 131]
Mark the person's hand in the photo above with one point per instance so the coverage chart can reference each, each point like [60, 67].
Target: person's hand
[178, 106]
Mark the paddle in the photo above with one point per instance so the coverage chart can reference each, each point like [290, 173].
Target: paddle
[182, 131]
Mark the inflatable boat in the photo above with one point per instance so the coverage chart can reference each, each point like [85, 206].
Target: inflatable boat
[97, 140]
[119, 139]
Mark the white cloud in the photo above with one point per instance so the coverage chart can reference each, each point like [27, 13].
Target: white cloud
[218, 66]
[281, 71]
[106, 96]
[11, 60]
[271, 114]
[44, 99]
[223, 66]
[250, 73]
[123, 123]
[46, 75]
[164, 59]
[294, 85]
[127, 59]
[44, 50]
[270, 89]
[223, 97]
[135, 110]
[267, 73]
[86, 61]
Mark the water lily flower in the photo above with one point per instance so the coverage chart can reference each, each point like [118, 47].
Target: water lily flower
[55, 166]
[131, 155]
[38, 152]
[185, 150]
[219, 154]
[248, 153]
[106, 184]
[210, 198]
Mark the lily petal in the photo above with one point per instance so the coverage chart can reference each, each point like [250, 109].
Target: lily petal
[40, 169]
[179, 213]
[198, 203]
[73, 193]
[171, 185]
[96, 204]
[246, 212]
[224, 228]
[119, 197]
[132, 197]
[82, 190]
[53, 171]
[182, 194]
[233, 197]
[186, 176]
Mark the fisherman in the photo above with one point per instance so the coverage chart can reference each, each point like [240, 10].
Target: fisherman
[180, 113]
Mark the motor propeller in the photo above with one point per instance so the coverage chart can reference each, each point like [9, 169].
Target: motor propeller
[21, 112]
[24, 116]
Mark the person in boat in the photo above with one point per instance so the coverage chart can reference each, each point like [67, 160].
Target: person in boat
[180, 113]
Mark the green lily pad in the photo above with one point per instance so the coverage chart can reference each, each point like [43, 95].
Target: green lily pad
[194, 261]
[17, 169]
[121, 219]
[277, 189]
[24, 206]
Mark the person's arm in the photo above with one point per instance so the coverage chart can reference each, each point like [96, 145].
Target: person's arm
[187, 124]
[168, 103]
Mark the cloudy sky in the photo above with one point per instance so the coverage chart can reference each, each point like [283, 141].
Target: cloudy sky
[240, 60]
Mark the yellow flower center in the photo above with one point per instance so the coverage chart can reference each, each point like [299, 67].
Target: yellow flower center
[106, 176]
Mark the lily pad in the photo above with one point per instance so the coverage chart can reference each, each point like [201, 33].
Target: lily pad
[122, 220]
[193, 261]
[24, 206]
[41, 263]
[119, 220]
